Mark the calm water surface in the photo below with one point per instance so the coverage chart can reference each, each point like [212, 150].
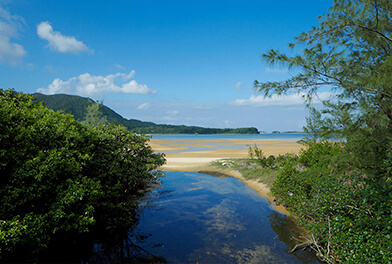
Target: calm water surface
[197, 218]
[282, 136]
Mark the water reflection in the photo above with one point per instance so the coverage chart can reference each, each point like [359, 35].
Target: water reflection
[192, 218]
[125, 251]
[287, 231]
[100, 246]
[131, 245]
[121, 243]
[216, 220]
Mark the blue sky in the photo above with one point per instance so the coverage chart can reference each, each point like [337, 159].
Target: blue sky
[173, 62]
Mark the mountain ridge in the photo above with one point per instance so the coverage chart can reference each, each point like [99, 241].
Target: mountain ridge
[76, 105]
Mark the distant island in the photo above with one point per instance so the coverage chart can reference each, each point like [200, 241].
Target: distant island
[287, 132]
[76, 105]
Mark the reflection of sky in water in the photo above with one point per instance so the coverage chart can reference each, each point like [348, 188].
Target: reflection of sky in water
[201, 218]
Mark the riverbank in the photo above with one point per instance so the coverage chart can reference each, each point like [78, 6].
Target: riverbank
[197, 156]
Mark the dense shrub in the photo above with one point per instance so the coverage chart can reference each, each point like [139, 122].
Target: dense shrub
[347, 211]
[271, 162]
[344, 195]
[58, 175]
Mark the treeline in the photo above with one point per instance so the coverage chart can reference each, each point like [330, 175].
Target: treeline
[171, 129]
[77, 106]
[60, 179]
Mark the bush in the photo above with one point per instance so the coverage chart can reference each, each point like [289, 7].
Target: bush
[347, 211]
[58, 175]
[256, 153]
[319, 154]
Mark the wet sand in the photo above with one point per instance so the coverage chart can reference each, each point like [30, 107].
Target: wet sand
[182, 157]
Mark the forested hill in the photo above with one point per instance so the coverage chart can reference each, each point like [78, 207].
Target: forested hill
[77, 105]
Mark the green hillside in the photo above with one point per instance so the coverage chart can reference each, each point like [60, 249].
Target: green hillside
[76, 105]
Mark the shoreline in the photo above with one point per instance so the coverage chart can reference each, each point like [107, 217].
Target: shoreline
[180, 159]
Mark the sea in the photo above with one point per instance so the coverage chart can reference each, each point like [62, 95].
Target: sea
[280, 136]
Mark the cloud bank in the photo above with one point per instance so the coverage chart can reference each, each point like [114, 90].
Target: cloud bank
[224, 115]
[59, 42]
[91, 85]
[280, 100]
[172, 112]
[143, 106]
[10, 52]
[269, 70]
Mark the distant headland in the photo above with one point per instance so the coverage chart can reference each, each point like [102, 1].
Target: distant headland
[76, 105]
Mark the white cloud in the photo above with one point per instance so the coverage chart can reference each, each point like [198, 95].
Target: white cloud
[238, 86]
[171, 116]
[91, 85]
[10, 52]
[201, 106]
[274, 70]
[51, 69]
[143, 106]
[172, 113]
[228, 123]
[29, 66]
[117, 65]
[280, 100]
[59, 42]
[269, 118]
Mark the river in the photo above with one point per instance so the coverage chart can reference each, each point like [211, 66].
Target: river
[198, 218]
[193, 218]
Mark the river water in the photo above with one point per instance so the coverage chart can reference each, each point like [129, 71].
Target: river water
[198, 218]
[194, 218]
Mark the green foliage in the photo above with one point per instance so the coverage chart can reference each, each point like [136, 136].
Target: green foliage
[77, 106]
[58, 175]
[349, 52]
[255, 152]
[94, 116]
[296, 180]
[264, 170]
[347, 212]
[343, 191]
[271, 162]
[319, 154]
[250, 169]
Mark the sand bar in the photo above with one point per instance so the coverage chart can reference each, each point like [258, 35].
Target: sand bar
[180, 156]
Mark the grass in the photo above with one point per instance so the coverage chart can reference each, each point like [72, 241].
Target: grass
[250, 169]
[257, 166]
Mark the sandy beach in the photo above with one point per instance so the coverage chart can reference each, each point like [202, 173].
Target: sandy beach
[196, 155]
